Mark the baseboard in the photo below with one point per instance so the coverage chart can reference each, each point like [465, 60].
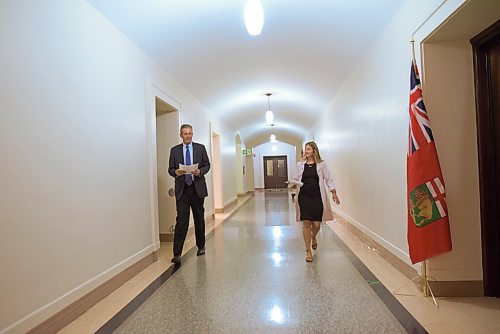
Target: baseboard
[406, 269]
[166, 237]
[80, 306]
[249, 192]
[439, 288]
[190, 233]
[457, 288]
[230, 203]
[169, 237]
[386, 245]
[227, 206]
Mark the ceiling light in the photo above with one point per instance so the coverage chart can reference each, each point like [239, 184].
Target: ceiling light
[254, 17]
[269, 113]
[270, 117]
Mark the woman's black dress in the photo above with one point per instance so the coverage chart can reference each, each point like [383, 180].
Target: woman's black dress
[310, 203]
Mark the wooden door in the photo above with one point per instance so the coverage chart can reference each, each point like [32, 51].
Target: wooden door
[486, 48]
[275, 172]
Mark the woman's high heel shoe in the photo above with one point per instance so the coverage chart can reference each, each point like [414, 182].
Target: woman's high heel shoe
[314, 243]
[309, 257]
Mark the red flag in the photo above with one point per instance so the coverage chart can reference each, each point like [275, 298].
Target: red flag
[428, 227]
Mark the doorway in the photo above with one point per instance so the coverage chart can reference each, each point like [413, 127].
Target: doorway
[486, 48]
[167, 136]
[217, 173]
[275, 172]
[240, 167]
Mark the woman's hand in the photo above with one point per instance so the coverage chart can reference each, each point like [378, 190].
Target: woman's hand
[336, 199]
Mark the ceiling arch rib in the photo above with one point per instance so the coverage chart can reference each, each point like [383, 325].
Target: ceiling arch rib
[256, 137]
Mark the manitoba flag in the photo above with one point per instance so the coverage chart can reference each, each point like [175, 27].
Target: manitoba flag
[428, 227]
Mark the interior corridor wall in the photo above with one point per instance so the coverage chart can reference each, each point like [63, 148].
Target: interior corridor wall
[363, 134]
[241, 169]
[227, 163]
[76, 200]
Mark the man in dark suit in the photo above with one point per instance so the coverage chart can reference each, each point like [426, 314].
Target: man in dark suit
[190, 190]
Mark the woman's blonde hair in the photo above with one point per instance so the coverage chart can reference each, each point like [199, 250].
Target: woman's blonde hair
[316, 156]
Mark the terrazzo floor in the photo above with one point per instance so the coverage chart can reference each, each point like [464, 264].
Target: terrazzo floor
[273, 247]
[254, 278]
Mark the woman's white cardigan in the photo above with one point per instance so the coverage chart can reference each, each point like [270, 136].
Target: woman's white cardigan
[325, 182]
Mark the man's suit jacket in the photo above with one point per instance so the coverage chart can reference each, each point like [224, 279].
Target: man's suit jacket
[199, 156]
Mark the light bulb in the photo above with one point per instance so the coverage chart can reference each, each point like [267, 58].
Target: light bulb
[270, 117]
[254, 17]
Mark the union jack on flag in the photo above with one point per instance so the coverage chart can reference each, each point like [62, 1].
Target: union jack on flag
[420, 130]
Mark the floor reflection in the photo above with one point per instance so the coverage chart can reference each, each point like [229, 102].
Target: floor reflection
[276, 315]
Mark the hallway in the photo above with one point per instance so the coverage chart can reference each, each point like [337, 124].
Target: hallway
[95, 91]
[254, 279]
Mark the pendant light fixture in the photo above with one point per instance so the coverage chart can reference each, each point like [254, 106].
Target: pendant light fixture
[254, 17]
[269, 113]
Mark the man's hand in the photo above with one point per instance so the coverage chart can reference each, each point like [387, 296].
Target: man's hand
[196, 172]
[179, 172]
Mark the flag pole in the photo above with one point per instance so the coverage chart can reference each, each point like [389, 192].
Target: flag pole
[412, 42]
[423, 273]
[426, 288]
[419, 279]
[425, 284]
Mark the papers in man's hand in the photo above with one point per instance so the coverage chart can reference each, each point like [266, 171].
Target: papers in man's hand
[292, 183]
[188, 168]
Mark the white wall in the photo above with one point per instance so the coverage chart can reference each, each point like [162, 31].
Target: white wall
[450, 99]
[250, 173]
[272, 149]
[75, 183]
[240, 166]
[363, 136]
[227, 163]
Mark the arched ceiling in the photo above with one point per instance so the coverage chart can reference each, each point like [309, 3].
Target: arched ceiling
[284, 136]
[305, 52]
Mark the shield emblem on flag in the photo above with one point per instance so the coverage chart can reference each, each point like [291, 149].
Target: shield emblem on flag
[426, 204]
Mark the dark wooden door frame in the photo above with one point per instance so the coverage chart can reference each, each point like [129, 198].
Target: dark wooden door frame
[488, 177]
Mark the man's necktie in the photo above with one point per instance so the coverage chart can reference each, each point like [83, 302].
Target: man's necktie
[189, 177]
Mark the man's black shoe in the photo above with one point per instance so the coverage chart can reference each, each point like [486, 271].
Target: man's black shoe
[176, 260]
[201, 251]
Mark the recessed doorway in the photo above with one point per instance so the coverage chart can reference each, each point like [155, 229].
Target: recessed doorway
[167, 136]
[275, 172]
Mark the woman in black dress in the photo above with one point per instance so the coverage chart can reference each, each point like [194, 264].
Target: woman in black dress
[313, 205]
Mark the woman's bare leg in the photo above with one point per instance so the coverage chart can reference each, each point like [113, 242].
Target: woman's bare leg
[315, 229]
[307, 234]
